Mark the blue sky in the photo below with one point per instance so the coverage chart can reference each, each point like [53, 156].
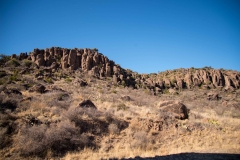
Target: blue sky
[143, 35]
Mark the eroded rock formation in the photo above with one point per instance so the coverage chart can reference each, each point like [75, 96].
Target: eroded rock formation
[96, 64]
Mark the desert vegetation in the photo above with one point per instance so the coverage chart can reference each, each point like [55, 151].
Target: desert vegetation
[60, 113]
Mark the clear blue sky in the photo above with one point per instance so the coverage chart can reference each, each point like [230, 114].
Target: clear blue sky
[143, 35]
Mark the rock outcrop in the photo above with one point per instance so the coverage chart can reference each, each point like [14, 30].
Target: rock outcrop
[38, 88]
[79, 82]
[85, 59]
[213, 96]
[97, 65]
[177, 109]
[87, 104]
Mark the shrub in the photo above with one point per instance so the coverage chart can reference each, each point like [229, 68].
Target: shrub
[123, 83]
[7, 126]
[173, 81]
[122, 106]
[165, 91]
[3, 136]
[3, 81]
[14, 62]
[140, 139]
[58, 58]
[38, 139]
[27, 63]
[8, 103]
[2, 74]
[95, 49]
[14, 77]
[4, 58]
[113, 128]
[68, 80]
[49, 80]
[213, 121]
[114, 91]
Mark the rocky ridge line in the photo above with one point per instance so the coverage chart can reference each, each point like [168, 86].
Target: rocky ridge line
[96, 64]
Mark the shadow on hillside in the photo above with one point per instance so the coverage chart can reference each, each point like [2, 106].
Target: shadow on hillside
[190, 156]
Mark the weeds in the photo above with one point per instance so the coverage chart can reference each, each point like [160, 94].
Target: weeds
[68, 80]
[27, 63]
[14, 62]
[140, 139]
[49, 80]
[121, 106]
[113, 128]
[37, 140]
[14, 77]
[3, 74]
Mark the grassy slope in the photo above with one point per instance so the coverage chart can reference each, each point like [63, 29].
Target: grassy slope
[213, 126]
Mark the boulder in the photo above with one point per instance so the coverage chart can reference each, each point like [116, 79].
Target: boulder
[9, 91]
[38, 88]
[79, 82]
[213, 96]
[63, 97]
[176, 108]
[87, 104]
[172, 91]
[94, 71]
[125, 98]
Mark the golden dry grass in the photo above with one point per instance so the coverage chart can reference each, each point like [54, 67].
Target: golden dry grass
[216, 128]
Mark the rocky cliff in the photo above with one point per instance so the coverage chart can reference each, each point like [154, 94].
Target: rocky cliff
[87, 60]
[96, 64]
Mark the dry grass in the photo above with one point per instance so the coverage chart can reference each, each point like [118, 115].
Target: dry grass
[118, 128]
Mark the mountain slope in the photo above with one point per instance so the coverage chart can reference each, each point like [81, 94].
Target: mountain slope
[78, 104]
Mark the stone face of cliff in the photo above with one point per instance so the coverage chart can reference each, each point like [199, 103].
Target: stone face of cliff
[84, 59]
[96, 64]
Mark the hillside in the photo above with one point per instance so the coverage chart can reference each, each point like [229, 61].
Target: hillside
[77, 104]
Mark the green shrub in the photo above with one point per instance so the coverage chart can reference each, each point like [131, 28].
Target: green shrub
[165, 91]
[174, 81]
[114, 91]
[14, 62]
[95, 49]
[124, 83]
[122, 106]
[14, 77]
[2, 74]
[49, 80]
[27, 63]
[3, 81]
[58, 58]
[68, 80]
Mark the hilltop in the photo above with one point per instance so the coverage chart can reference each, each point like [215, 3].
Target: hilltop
[78, 104]
[95, 64]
